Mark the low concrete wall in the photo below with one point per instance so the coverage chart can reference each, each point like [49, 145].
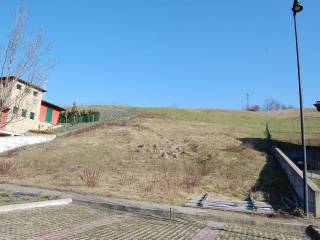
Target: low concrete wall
[25, 206]
[295, 177]
[9, 143]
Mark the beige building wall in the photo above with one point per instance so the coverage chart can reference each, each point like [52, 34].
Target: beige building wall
[30, 103]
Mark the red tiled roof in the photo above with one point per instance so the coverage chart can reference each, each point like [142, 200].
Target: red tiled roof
[51, 105]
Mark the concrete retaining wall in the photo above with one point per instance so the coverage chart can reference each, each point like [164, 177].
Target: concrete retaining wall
[9, 143]
[295, 177]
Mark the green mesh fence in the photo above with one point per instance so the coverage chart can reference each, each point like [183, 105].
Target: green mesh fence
[75, 116]
[289, 130]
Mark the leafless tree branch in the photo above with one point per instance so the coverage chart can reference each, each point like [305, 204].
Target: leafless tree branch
[23, 57]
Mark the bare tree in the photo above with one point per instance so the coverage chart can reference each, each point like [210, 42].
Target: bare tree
[24, 56]
[271, 104]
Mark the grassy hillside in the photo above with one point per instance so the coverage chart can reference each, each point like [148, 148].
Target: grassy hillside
[162, 155]
[283, 125]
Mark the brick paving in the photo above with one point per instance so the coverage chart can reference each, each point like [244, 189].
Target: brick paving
[211, 231]
[28, 224]
[69, 232]
[245, 232]
[154, 208]
[84, 222]
[144, 228]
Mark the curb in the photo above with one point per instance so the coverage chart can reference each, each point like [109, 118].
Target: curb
[25, 206]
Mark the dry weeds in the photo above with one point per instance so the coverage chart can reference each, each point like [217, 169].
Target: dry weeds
[8, 167]
[150, 158]
[91, 177]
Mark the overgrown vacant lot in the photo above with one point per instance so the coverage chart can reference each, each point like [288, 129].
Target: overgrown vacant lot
[162, 155]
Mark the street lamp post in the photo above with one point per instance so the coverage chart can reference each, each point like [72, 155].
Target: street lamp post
[297, 7]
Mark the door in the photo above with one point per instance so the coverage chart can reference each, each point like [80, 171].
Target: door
[49, 115]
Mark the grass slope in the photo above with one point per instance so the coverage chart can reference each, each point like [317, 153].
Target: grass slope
[161, 155]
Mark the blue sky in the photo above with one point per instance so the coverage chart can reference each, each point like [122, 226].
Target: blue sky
[189, 53]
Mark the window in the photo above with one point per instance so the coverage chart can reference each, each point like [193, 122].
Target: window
[15, 110]
[35, 93]
[24, 113]
[32, 115]
[19, 86]
[27, 90]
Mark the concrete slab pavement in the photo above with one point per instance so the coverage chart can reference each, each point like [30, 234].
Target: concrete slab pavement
[163, 209]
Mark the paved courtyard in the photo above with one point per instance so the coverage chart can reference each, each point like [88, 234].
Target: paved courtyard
[82, 222]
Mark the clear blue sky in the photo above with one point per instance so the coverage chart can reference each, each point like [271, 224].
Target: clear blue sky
[192, 53]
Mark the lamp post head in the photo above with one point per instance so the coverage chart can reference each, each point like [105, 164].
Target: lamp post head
[297, 6]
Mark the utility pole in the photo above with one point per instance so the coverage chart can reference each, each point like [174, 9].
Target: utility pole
[297, 7]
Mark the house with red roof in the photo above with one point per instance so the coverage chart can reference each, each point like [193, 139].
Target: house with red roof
[33, 113]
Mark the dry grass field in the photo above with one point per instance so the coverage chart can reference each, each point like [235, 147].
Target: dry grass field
[160, 155]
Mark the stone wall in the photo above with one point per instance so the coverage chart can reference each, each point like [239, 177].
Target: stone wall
[295, 177]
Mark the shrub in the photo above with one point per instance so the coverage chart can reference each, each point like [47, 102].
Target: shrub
[91, 177]
[8, 167]
[45, 131]
[204, 164]
[75, 116]
[192, 176]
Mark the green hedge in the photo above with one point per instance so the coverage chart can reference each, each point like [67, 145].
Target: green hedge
[75, 116]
